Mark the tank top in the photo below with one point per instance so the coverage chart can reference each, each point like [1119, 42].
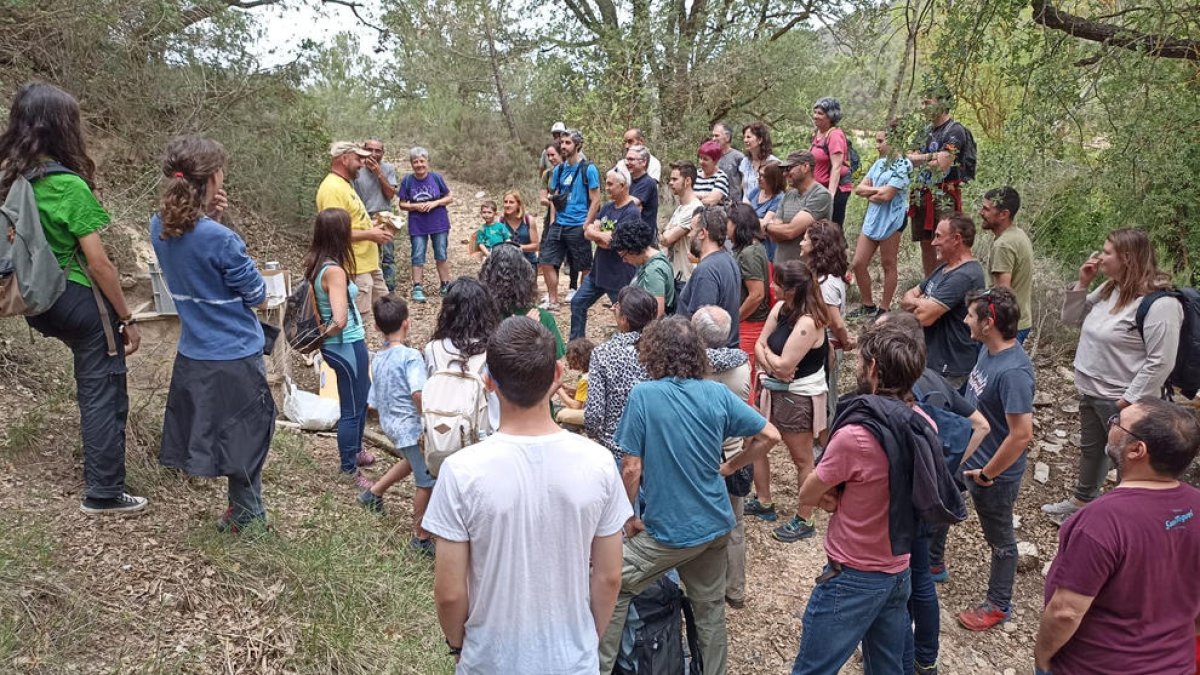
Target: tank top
[521, 236]
[353, 332]
[813, 361]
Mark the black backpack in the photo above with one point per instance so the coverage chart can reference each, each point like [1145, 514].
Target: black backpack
[1186, 375]
[968, 158]
[658, 643]
[302, 327]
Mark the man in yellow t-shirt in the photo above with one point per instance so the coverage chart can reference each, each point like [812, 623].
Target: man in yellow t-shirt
[337, 192]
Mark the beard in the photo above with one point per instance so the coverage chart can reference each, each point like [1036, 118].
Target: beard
[862, 385]
[1116, 453]
[694, 246]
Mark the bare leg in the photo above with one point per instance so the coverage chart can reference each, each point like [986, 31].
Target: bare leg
[443, 270]
[551, 276]
[762, 480]
[420, 502]
[399, 471]
[889, 251]
[800, 447]
[862, 273]
[928, 256]
[418, 275]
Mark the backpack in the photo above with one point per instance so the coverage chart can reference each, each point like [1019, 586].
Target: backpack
[968, 157]
[1186, 375]
[453, 405]
[302, 327]
[853, 160]
[31, 278]
[953, 429]
[559, 198]
[662, 615]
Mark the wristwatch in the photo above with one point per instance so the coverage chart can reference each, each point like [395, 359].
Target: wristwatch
[984, 477]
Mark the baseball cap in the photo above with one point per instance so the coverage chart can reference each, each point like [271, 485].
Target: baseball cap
[797, 157]
[558, 128]
[340, 148]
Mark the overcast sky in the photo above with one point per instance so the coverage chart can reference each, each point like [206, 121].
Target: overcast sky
[285, 29]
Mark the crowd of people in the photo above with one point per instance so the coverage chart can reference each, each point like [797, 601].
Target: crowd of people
[731, 321]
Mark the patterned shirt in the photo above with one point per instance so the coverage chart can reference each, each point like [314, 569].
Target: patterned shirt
[612, 372]
[396, 374]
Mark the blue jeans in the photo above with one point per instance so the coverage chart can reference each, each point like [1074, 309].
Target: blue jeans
[922, 606]
[419, 243]
[994, 505]
[853, 607]
[350, 365]
[585, 297]
[387, 264]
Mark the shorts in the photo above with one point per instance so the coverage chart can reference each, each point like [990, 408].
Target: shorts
[792, 413]
[441, 241]
[371, 287]
[566, 242]
[420, 472]
[924, 211]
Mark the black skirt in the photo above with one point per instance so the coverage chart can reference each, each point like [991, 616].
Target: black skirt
[220, 417]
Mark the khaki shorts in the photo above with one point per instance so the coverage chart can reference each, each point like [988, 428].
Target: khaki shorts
[790, 412]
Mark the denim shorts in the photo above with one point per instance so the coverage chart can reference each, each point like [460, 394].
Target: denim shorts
[416, 458]
[440, 242]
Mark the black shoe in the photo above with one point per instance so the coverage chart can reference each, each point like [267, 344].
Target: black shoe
[123, 505]
[444, 288]
[422, 546]
[371, 501]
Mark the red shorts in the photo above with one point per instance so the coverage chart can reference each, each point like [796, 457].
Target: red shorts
[925, 207]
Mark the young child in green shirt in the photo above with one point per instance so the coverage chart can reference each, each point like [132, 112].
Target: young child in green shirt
[491, 233]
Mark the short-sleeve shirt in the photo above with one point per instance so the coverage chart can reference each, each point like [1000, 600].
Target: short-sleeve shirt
[1012, 253]
[750, 177]
[823, 150]
[763, 207]
[420, 190]
[884, 220]
[68, 211]
[1135, 552]
[715, 281]
[490, 235]
[396, 374]
[718, 182]
[529, 506]
[657, 277]
[816, 200]
[937, 391]
[949, 137]
[1000, 384]
[678, 252]
[645, 189]
[573, 179]
[678, 428]
[752, 262]
[336, 192]
[609, 272]
[731, 163]
[366, 184]
[951, 352]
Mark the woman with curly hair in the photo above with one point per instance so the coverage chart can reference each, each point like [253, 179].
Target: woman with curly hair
[467, 318]
[220, 414]
[633, 241]
[791, 353]
[745, 232]
[756, 137]
[512, 284]
[44, 143]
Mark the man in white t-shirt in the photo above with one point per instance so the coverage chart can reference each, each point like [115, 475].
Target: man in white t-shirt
[674, 235]
[528, 526]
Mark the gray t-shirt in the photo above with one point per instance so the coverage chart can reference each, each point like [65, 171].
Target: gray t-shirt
[1001, 384]
[366, 184]
[731, 164]
[816, 200]
[715, 281]
[951, 351]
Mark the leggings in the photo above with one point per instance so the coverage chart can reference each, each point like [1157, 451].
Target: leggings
[349, 362]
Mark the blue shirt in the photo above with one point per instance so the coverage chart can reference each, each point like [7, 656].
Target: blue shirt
[1001, 384]
[884, 220]
[396, 373]
[677, 427]
[215, 286]
[571, 177]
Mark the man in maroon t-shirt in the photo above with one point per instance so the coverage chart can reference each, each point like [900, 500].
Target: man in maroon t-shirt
[1123, 595]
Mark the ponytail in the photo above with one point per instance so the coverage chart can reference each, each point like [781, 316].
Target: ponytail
[188, 163]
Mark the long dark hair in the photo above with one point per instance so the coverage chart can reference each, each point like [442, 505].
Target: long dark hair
[331, 241]
[188, 163]
[43, 122]
[509, 279]
[801, 294]
[746, 227]
[763, 133]
[828, 257]
[468, 317]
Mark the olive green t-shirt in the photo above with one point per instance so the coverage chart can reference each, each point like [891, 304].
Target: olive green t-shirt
[1012, 253]
[69, 211]
[656, 276]
[752, 261]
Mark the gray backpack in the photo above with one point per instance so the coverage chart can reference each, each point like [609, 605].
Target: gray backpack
[31, 278]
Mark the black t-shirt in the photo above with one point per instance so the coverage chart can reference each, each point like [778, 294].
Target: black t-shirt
[609, 272]
[715, 281]
[951, 138]
[645, 189]
[950, 349]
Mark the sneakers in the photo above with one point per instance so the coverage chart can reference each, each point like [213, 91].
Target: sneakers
[983, 617]
[865, 312]
[549, 306]
[919, 669]
[569, 296]
[794, 530]
[116, 506]
[422, 546]
[939, 573]
[444, 288]
[759, 510]
[1060, 511]
[358, 478]
[364, 458]
[418, 294]
[371, 501]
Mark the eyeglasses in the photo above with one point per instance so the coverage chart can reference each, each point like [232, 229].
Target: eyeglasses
[1115, 421]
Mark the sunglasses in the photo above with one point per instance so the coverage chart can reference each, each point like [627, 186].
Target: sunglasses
[991, 304]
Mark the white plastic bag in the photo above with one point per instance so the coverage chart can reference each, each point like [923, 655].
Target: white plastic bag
[310, 411]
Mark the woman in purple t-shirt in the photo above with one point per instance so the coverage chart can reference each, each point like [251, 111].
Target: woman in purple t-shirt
[425, 196]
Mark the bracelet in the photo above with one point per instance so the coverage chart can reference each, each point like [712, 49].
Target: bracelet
[454, 651]
[984, 476]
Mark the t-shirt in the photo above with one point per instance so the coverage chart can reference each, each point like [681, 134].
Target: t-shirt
[816, 200]
[530, 507]
[706, 184]
[731, 163]
[68, 211]
[715, 281]
[609, 272]
[492, 234]
[752, 263]
[547, 320]
[935, 390]
[1000, 384]
[678, 252]
[420, 190]
[762, 208]
[366, 184]
[657, 277]
[1135, 551]
[884, 220]
[645, 190]
[951, 352]
[750, 177]
[678, 427]
[858, 533]
[823, 150]
[563, 178]
[581, 388]
[396, 374]
[1012, 253]
[833, 291]
[336, 192]
[951, 138]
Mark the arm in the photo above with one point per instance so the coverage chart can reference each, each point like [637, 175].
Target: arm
[979, 431]
[883, 195]
[836, 160]
[813, 490]
[474, 249]
[865, 188]
[605, 580]
[534, 240]
[838, 328]
[631, 474]
[673, 234]
[713, 198]
[793, 229]
[761, 350]
[592, 232]
[1060, 620]
[416, 397]
[661, 301]
[926, 309]
[377, 234]
[450, 569]
[1020, 432]
[104, 275]
[1002, 279]
[805, 335]
[594, 203]
[334, 283]
[385, 185]
[758, 447]
[1161, 335]
[755, 292]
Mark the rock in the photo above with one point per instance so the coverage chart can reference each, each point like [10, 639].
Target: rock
[1070, 407]
[1010, 627]
[1060, 433]
[1016, 522]
[1112, 476]
[1066, 373]
[1009, 671]
[1041, 472]
[1042, 399]
[482, 194]
[1076, 440]
[1051, 447]
[1027, 557]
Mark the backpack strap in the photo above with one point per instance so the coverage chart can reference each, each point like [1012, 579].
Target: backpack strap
[110, 337]
[1143, 309]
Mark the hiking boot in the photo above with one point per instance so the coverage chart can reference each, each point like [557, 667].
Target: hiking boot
[444, 288]
[422, 546]
[864, 312]
[364, 458]
[115, 506]
[794, 530]
[418, 294]
[924, 670]
[1060, 511]
[939, 573]
[983, 617]
[371, 501]
[759, 510]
